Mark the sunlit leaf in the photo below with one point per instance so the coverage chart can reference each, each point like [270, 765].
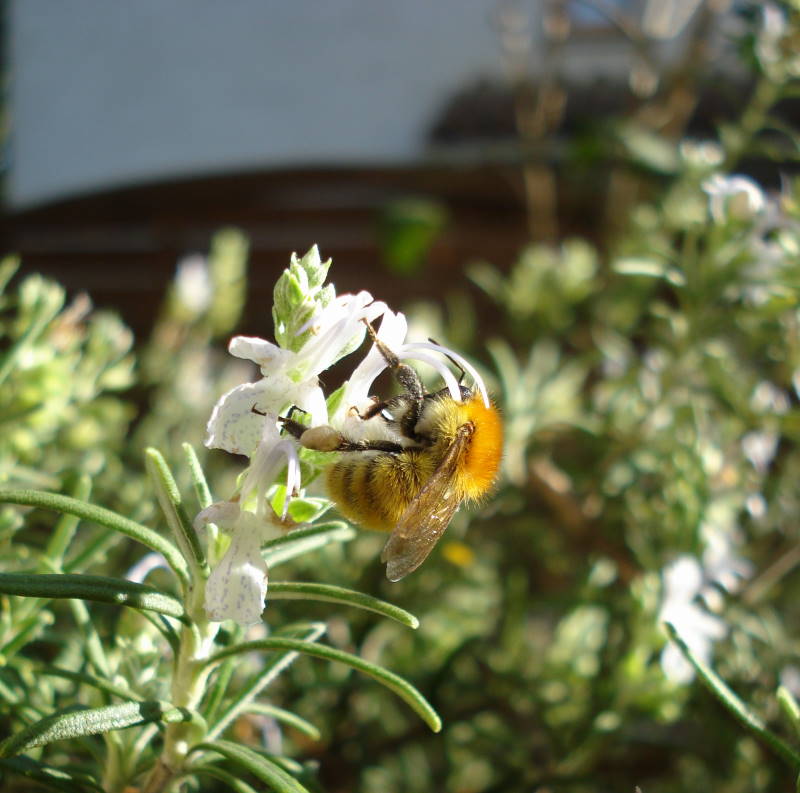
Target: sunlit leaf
[300, 590]
[91, 587]
[392, 681]
[74, 723]
[265, 769]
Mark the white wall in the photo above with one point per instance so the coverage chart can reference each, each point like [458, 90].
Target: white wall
[109, 92]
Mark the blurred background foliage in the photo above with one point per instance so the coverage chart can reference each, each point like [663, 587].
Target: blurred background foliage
[648, 374]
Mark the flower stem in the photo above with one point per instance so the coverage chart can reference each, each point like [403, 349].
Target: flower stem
[191, 672]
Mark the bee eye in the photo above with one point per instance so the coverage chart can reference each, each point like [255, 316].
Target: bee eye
[385, 414]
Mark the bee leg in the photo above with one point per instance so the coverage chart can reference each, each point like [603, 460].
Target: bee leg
[410, 382]
[369, 446]
[291, 426]
[376, 407]
[328, 439]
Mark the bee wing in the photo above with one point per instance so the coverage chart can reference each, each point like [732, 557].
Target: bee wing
[427, 516]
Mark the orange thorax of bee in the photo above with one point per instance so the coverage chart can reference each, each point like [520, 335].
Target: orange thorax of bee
[374, 489]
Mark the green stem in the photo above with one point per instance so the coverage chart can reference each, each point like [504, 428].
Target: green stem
[188, 686]
[728, 698]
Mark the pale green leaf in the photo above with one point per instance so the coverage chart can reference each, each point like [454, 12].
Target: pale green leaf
[87, 721]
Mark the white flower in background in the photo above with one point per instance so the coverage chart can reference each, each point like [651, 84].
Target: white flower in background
[237, 586]
[768, 40]
[722, 565]
[759, 446]
[736, 198]
[692, 590]
[193, 287]
[774, 46]
[683, 582]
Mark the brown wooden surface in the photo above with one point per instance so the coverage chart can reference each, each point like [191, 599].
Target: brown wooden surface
[122, 246]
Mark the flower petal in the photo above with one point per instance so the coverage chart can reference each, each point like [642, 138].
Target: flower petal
[407, 352]
[392, 333]
[412, 351]
[223, 513]
[338, 331]
[271, 454]
[237, 586]
[233, 425]
[264, 353]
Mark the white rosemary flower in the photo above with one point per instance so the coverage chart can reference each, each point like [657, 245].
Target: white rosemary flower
[237, 586]
[193, 287]
[289, 378]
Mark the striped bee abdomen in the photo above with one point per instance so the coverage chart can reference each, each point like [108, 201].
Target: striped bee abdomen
[374, 489]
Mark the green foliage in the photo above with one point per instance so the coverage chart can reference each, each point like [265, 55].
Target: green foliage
[620, 613]
[175, 656]
[60, 369]
[144, 697]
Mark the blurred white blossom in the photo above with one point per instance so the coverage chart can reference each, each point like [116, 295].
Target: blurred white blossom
[693, 588]
[736, 198]
[683, 582]
[759, 447]
[193, 287]
[775, 47]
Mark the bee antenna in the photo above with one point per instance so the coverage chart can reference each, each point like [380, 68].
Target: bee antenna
[452, 360]
[370, 329]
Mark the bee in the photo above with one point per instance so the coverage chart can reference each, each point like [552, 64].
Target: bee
[421, 456]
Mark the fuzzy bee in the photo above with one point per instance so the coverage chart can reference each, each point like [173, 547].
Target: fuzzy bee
[433, 452]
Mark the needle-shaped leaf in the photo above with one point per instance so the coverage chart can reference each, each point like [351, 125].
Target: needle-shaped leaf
[49, 777]
[87, 680]
[65, 528]
[92, 551]
[395, 683]
[300, 590]
[789, 706]
[261, 767]
[88, 721]
[91, 587]
[731, 701]
[169, 498]
[198, 477]
[233, 782]
[286, 717]
[301, 541]
[257, 683]
[104, 517]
